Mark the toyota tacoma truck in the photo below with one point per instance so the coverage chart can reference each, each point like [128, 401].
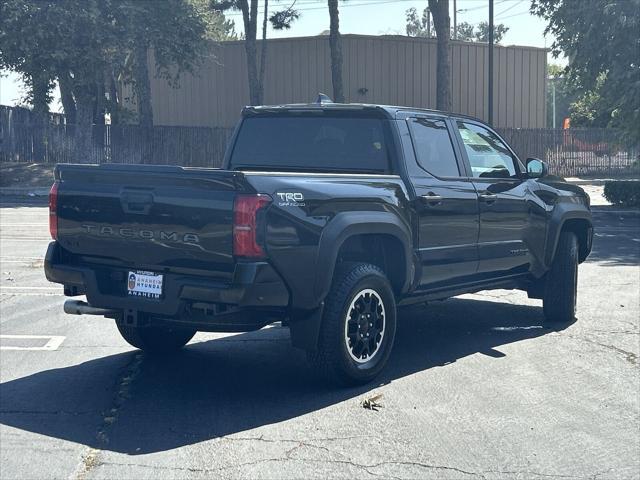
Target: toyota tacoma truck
[325, 217]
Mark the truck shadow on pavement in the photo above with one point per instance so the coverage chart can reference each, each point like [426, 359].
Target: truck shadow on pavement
[134, 404]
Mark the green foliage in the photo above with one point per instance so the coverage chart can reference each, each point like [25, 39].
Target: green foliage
[600, 37]
[482, 32]
[88, 39]
[422, 26]
[419, 26]
[282, 19]
[625, 193]
[591, 109]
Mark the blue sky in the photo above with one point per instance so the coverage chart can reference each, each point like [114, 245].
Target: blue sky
[370, 17]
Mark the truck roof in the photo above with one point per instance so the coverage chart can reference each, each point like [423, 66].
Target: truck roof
[389, 111]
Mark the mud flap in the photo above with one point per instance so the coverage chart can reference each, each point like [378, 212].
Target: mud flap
[305, 328]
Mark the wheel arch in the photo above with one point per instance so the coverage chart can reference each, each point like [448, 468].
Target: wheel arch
[347, 238]
[577, 221]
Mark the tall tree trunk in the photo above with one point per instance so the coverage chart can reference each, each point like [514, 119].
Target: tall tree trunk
[83, 151]
[335, 43]
[249, 17]
[40, 89]
[142, 84]
[65, 82]
[263, 55]
[441, 22]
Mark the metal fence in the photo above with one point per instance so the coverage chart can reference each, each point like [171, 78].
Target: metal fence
[186, 146]
[577, 152]
[569, 153]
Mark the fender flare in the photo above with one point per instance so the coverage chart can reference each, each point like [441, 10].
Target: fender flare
[561, 214]
[347, 224]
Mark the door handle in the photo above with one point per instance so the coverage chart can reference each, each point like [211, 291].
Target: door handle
[488, 197]
[432, 199]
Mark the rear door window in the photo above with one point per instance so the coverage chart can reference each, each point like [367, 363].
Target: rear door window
[312, 143]
[433, 147]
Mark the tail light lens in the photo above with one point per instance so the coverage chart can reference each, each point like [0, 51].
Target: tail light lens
[53, 211]
[245, 225]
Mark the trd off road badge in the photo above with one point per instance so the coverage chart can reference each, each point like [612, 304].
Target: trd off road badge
[290, 199]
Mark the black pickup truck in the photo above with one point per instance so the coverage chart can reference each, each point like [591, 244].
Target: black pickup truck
[326, 217]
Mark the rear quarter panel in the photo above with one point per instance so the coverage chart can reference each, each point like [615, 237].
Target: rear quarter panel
[295, 223]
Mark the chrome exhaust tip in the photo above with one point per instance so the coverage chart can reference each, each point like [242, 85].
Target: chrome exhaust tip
[78, 307]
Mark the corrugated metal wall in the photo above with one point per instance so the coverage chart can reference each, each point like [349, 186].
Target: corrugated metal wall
[390, 70]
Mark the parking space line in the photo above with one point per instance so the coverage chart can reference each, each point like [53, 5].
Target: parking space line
[53, 342]
[29, 288]
[28, 294]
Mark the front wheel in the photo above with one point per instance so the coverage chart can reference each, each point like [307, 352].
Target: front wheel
[561, 284]
[358, 326]
[155, 339]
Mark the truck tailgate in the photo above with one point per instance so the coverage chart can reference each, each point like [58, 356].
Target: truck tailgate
[149, 217]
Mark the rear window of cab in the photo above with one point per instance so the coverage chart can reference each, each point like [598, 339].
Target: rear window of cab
[323, 143]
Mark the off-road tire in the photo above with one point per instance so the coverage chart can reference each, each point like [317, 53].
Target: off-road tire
[333, 359]
[155, 339]
[561, 283]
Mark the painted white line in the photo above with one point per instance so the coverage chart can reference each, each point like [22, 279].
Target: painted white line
[27, 294]
[19, 261]
[28, 288]
[26, 239]
[4, 237]
[53, 342]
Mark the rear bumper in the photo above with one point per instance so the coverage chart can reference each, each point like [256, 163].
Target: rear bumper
[255, 285]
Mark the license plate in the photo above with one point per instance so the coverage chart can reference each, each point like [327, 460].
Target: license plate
[144, 284]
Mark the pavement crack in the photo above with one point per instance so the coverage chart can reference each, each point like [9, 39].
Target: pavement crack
[630, 357]
[368, 468]
[91, 457]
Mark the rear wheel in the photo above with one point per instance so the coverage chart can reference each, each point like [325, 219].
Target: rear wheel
[155, 339]
[358, 326]
[561, 284]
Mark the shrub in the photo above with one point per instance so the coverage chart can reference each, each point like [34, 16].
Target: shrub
[626, 193]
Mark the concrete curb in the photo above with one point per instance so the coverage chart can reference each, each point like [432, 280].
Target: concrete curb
[25, 191]
[599, 182]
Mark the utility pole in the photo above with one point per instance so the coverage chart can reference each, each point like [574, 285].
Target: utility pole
[428, 23]
[490, 62]
[553, 95]
[455, 21]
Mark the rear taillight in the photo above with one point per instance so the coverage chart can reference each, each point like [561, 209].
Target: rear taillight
[245, 225]
[53, 211]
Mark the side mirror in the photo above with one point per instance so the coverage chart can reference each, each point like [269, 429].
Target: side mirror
[536, 168]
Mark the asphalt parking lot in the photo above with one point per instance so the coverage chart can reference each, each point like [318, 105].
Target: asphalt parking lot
[476, 386]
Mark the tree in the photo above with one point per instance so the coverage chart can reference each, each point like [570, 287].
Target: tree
[335, 45]
[481, 32]
[591, 108]
[44, 40]
[85, 44]
[279, 20]
[441, 21]
[419, 26]
[601, 40]
[465, 31]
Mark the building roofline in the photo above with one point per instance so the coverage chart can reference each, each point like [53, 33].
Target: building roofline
[403, 38]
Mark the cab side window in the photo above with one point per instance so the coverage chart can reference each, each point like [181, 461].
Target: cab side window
[488, 155]
[433, 147]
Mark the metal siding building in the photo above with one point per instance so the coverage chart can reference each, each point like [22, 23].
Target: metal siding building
[390, 70]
